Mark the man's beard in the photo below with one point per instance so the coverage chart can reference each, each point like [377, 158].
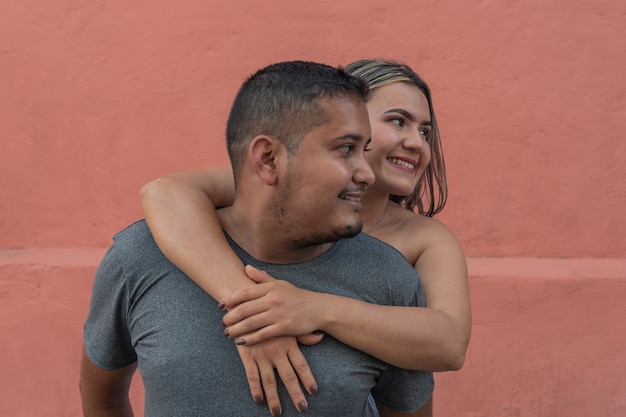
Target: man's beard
[319, 238]
[288, 221]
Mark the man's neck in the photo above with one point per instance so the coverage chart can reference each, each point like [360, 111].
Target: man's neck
[264, 240]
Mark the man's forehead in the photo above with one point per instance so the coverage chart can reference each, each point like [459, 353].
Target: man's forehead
[345, 105]
[347, 121]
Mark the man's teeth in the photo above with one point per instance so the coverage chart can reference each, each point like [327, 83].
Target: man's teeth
[350, 197]
[401, 162]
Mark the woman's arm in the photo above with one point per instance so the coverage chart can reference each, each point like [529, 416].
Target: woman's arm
[442, 267]
[180, 211]
[433, 338]
[408, 337]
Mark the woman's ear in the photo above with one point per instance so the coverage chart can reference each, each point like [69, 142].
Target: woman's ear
[264, 152]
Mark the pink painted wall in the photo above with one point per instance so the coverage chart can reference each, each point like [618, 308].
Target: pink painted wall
[97, 98]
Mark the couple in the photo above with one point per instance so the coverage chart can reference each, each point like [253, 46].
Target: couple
[300, 190]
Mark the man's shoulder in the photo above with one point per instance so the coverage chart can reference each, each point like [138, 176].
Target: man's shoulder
[366, 252]
[135, 242]
[135, 235]
[381, 268]
[134, 231]
[367, 245]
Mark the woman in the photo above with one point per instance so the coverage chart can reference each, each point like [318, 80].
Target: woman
[408, 164]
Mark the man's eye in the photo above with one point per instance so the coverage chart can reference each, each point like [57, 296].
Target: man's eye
[398, 122]
[347, 148]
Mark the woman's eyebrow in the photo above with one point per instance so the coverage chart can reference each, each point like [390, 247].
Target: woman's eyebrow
[408, 115]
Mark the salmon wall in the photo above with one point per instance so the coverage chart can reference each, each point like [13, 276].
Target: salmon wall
[98, 98]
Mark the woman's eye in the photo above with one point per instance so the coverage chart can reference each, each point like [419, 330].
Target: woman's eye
[425, 133]
[368, 145]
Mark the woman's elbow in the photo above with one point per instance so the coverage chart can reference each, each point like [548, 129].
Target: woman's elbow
[458, 352]
[148, 190]
[456, 361]
[453, 353]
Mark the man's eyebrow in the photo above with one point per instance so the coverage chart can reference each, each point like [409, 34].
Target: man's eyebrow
[353, 136]
[408, 115]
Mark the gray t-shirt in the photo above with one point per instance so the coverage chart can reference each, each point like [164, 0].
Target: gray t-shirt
[145, 309]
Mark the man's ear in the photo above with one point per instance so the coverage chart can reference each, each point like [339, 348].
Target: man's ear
[264, 152]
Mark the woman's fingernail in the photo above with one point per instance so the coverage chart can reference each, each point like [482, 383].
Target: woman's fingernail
[276, 411]
[221, 305]
[226, 332]
[241, 342]
[313, 389]
[258, 399]
[303, 406]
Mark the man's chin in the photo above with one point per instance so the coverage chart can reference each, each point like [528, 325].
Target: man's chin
[350, 230]
[344, 232]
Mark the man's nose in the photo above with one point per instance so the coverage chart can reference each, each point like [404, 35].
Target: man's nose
[363, 173]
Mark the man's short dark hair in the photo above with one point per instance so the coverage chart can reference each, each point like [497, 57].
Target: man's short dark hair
[282, 101]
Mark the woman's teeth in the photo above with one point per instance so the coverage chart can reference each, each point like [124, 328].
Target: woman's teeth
[402, 163]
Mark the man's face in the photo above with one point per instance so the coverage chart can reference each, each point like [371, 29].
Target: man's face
[320, 197]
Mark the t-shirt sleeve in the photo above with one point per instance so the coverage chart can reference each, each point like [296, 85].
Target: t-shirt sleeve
[402, 390]
[106, 336]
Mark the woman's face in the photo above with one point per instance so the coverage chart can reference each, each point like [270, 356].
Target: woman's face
[401, 124]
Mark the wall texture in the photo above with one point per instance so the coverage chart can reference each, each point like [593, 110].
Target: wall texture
[97, 98]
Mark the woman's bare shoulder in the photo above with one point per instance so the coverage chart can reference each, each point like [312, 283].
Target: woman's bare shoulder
[411, 223]
[411, 233]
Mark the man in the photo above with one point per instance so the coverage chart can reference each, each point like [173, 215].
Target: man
[296, 137]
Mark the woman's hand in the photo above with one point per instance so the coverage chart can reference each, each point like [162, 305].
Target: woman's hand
[282, 354]
[271, 308]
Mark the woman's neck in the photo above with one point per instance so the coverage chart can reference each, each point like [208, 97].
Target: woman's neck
[373, 210]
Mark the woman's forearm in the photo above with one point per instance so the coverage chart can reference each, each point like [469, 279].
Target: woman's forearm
[406, 337]
[431, 339]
